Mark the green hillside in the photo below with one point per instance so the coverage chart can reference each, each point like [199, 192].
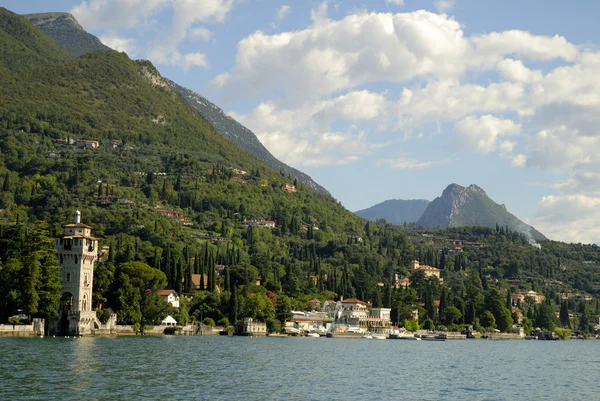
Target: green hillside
[170, 189]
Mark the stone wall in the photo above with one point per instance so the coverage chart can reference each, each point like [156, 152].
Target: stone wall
[36, 328]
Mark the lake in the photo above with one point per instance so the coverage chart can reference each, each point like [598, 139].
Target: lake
[226, 368]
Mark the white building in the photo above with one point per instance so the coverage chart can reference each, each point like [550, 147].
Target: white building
[170, 296]
[169, 321]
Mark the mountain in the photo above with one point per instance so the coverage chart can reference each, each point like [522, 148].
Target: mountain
[459, 206]
[67, 32]
[240, 135]
[396, 211]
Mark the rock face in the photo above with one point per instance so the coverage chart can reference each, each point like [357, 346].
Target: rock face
[396, 211]
[470, 206]
[66, 31]
[240, 135]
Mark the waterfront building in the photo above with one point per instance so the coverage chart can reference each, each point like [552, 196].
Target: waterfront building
[77, 252]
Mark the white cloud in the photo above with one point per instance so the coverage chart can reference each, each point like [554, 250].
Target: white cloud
[519, 160]
[570, 218]
[506, 148]
[481, 134]
[514, 70]
[115, 14]
[334, 55]
[283, 12]
[396, 2]
[201, 33]
[127, 45]
[404, 163]
[444, 5]
[110, 16]
[174, 57]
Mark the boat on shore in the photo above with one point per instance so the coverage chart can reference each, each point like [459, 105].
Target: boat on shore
[379, 337]
[313, 335]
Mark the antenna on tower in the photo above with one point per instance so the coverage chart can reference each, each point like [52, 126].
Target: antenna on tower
[77, 217]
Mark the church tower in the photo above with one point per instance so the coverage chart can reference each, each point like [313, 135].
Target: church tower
[77, 252]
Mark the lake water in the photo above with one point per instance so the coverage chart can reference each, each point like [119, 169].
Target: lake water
[227, 368]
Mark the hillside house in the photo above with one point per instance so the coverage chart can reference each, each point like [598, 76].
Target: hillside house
[522, 296]
[196, 283]
[258, 223]
[290, 188]
[113, 143]
[429, 271]
[87, 144]
[238, 180]
[170, 296]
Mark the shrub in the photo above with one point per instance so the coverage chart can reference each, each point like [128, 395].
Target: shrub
[563, 334]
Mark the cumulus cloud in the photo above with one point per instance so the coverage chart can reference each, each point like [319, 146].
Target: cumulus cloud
[570, 218]
[110, 16]
[200, 33]
[481, 134]
[115, 14]
[305, 135]
[174, 57]
[127, 45]
[396, 2]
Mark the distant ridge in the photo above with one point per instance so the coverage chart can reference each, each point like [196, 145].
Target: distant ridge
[396, 211]
[471, 206]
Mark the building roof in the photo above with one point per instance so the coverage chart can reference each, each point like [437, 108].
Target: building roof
[353, 301]
[169, 320]
[77, 225]
[314, 301]
[430, 268]
[80, 236]
[165, 292]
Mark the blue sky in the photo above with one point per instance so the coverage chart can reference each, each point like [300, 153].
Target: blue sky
[389, 99]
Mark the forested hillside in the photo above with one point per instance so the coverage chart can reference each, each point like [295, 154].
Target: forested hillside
[167, 195]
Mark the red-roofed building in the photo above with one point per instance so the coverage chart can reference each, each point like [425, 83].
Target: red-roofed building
[170, 296]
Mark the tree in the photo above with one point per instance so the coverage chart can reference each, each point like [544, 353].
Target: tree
[134, 298]
[258, 306]
[451, 315]
[488, 320]
[544, 317]
[564, 314]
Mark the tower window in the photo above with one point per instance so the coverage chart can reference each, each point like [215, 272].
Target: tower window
[68, 277]
[61, 258]
[75, 258]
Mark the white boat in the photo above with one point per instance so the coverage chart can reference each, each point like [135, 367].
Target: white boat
[368, 336]
[291, 331]
[314, 335]
[379, 337]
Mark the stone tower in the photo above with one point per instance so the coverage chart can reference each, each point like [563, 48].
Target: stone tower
[77, 252]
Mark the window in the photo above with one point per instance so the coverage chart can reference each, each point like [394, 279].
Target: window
[61, 258]
[75, 258]
[68, 277]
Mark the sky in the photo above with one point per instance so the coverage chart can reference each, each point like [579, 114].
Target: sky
[393, 99]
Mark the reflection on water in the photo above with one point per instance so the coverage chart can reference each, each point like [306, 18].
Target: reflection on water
[222, 368]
